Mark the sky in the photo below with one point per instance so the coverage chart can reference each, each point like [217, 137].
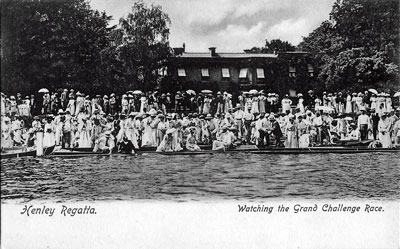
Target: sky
[231, 25]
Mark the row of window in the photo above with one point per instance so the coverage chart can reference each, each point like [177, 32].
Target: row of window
[205, 72]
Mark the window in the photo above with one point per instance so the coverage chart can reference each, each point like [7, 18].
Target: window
[162, 71]
[243, 73]
[292, 71]
[225, 73]
[310, 70]
[181, 72]
[205, 72]
[260, 73]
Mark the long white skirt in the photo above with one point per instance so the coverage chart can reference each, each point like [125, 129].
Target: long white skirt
[48, 139]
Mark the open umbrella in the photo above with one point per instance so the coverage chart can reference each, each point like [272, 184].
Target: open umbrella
[137, 92]
[253, 91]
[396, 94]
[206, 91]
[43, 90]
[348, 119]
[191, 92]
[373, 91]
[324, 108]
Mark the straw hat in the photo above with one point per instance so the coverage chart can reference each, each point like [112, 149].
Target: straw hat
[153, 113]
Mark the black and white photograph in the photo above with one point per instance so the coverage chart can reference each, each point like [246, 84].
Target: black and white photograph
[200, 124]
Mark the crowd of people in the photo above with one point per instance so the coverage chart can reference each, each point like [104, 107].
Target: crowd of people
[186, 120]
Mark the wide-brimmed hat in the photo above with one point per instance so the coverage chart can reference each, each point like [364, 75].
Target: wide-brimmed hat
[153, 113]
[170, 131]
[208, 117]
[60, 111]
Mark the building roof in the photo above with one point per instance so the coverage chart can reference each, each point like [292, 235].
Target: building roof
[225, 55]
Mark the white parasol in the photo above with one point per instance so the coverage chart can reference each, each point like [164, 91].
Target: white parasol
[43, 90]
[206, 91]
[191, 92]
[348, 118]
[253, 91]
[396, 94]
[137, 92]
[373, 91]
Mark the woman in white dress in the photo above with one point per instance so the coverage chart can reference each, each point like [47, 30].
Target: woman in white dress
[317, 102]
[122, 128]
[300, 104]
[6, 139]
[143, 104]
[85, 136]
[354, 105]
[261, 103]
[349, 105]
[254, 104]
[48, 137]
[373, 100]
[384, 131]
[124, 104]
[388, 103]
[286, 102]
[381, 104]
[359, 102]
[206, 105]
[291, 133]
[228, 102]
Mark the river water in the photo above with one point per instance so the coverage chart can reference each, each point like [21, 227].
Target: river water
[234, 176]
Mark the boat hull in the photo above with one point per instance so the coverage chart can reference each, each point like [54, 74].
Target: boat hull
[46, 151]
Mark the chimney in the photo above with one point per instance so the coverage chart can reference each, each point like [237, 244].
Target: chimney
[184, 47]
[212, 51]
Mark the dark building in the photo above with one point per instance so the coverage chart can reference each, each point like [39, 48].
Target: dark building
[234, 72]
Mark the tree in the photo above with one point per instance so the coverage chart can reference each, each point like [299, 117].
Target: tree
[51, 44]
[144, 47]
[273, 46]
[359, 45]
[276, 46]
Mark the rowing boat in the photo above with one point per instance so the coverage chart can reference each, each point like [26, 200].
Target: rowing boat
[25, 153]
[311, 150]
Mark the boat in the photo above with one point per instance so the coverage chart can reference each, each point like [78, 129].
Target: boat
[75, 153]
[26, 153]
[288, 151]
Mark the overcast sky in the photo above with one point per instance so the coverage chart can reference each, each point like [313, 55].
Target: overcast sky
[231, 25]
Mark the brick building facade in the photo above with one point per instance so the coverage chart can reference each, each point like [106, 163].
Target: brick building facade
[234, 72]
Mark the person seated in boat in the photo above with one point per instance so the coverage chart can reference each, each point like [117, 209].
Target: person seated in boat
[16, 125]
[191, 141]
[354, 134]
[225, 140]
[166, 143]
[264, 131]
[30, 141]
[105, 143]
[36, 124]
[126, 146]
[334, 131]
[275, 130]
